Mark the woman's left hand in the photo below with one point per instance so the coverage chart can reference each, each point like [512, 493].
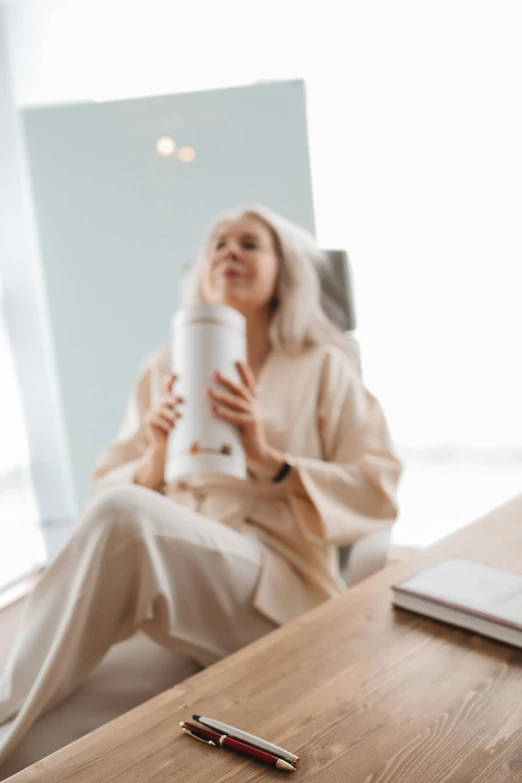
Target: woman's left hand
[239, 406]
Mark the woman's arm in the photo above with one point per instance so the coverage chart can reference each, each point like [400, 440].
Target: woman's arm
[353, 490]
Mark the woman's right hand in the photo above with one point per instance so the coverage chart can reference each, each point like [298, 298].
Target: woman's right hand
[161, 418]
[158, 422]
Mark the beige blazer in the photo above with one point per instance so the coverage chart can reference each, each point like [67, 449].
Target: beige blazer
[343, 486]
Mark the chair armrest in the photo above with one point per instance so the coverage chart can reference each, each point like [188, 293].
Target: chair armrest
[365, 556]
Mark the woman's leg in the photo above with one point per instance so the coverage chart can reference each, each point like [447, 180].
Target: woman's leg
[136, 560]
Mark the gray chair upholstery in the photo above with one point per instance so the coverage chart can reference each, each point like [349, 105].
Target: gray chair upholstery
[337, 290]
[368, 554]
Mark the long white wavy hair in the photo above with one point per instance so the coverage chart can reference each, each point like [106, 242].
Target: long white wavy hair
[298, 318]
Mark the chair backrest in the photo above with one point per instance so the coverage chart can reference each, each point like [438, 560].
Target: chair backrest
[337, 290]
[337, 297]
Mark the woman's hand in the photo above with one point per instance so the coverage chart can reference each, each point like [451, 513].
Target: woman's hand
[158, 422]
[161, 418]
[239, 406]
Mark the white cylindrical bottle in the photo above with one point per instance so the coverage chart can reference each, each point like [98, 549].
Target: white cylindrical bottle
[205, 338]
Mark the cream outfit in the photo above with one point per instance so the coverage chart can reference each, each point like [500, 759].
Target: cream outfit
[210, 563]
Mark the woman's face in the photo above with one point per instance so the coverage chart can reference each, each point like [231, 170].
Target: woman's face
[242, 266]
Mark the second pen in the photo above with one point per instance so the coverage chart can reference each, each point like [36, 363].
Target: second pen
[215, 738]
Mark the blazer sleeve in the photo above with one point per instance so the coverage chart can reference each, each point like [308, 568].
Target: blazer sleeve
[118, 463]
[352, 491]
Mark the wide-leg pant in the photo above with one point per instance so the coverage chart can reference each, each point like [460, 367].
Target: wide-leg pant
[137, 561]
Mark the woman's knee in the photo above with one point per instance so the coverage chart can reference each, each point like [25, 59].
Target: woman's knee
[112, 508]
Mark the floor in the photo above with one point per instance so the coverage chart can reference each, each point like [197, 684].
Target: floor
[9, 618]
[11, 607]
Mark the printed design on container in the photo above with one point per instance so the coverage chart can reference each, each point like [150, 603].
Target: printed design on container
[195, 449]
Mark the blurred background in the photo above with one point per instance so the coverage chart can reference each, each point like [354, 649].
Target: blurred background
[392, 130]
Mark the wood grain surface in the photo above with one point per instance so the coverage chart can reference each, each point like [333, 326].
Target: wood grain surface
[361, 692]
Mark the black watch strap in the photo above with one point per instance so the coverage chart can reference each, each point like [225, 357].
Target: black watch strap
[284, 470]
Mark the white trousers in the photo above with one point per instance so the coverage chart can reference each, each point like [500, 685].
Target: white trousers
[137, 561]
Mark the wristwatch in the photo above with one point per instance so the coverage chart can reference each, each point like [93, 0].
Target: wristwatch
[284, 470]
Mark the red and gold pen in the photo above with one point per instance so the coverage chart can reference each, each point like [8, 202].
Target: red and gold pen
[218, 739]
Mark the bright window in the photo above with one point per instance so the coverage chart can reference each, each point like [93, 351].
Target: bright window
[21, 544]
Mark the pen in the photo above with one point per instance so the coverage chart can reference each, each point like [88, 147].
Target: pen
[244, 736]
[217, 739]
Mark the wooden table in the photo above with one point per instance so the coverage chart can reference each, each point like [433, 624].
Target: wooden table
[363, 693]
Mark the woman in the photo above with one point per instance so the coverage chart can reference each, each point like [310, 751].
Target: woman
[209, 564]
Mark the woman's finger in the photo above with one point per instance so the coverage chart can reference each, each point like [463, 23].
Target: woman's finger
[161, 423]
[230, 400]
[238, 388]
[168, 413]
[168, 382]
[247, 375]
[235, 417]
[171, 401]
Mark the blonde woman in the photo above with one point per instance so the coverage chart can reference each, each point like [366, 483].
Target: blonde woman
[209, 564]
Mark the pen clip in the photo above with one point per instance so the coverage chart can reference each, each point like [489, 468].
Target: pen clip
[207, 742]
